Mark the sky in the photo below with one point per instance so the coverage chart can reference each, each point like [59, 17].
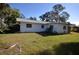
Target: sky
[37, 9]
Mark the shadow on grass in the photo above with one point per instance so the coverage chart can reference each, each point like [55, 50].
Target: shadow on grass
[62, 49]
[50, 34]
[67, 49]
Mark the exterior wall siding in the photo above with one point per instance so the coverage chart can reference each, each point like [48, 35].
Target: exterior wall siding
[58, 28]
[34, 28]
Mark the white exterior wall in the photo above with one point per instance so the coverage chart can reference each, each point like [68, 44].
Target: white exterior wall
[59, 28]
[35, 27]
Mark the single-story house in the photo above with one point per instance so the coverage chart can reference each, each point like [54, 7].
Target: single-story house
[76, 29]
[27, 25]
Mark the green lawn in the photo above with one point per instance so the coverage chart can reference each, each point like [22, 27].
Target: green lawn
[33, 43]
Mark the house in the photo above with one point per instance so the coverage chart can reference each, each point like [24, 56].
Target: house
[76, 28]
[72, 27]
[27, 25]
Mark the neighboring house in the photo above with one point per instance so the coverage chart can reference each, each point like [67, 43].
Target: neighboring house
[72, 27]
[76, 29]
[27, 25]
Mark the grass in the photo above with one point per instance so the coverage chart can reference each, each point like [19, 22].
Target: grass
[34, 43]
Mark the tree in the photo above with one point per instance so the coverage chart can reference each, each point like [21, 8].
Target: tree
[3, 15]
[11, 18]
[56, 15]
[8, 16]
[64, 16]
[3, 5]
[58, 8]
[32, 18]
[45, 17]
[22, 15]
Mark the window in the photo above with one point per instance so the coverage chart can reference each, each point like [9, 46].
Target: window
[64, 27]
[28, 25]
[42, 26]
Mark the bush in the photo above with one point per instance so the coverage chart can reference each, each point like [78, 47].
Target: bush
[13, 29]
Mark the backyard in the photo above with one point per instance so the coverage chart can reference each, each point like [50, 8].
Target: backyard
[35, 43]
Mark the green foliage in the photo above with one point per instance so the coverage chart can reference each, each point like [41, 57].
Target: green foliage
[56, 15]
[12, 19]
[45, 17]
[12, 29]
[58, 8]
[9, 15]
[32, 18]
[64, 16]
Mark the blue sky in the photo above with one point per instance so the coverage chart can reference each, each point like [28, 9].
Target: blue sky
[37, 9]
